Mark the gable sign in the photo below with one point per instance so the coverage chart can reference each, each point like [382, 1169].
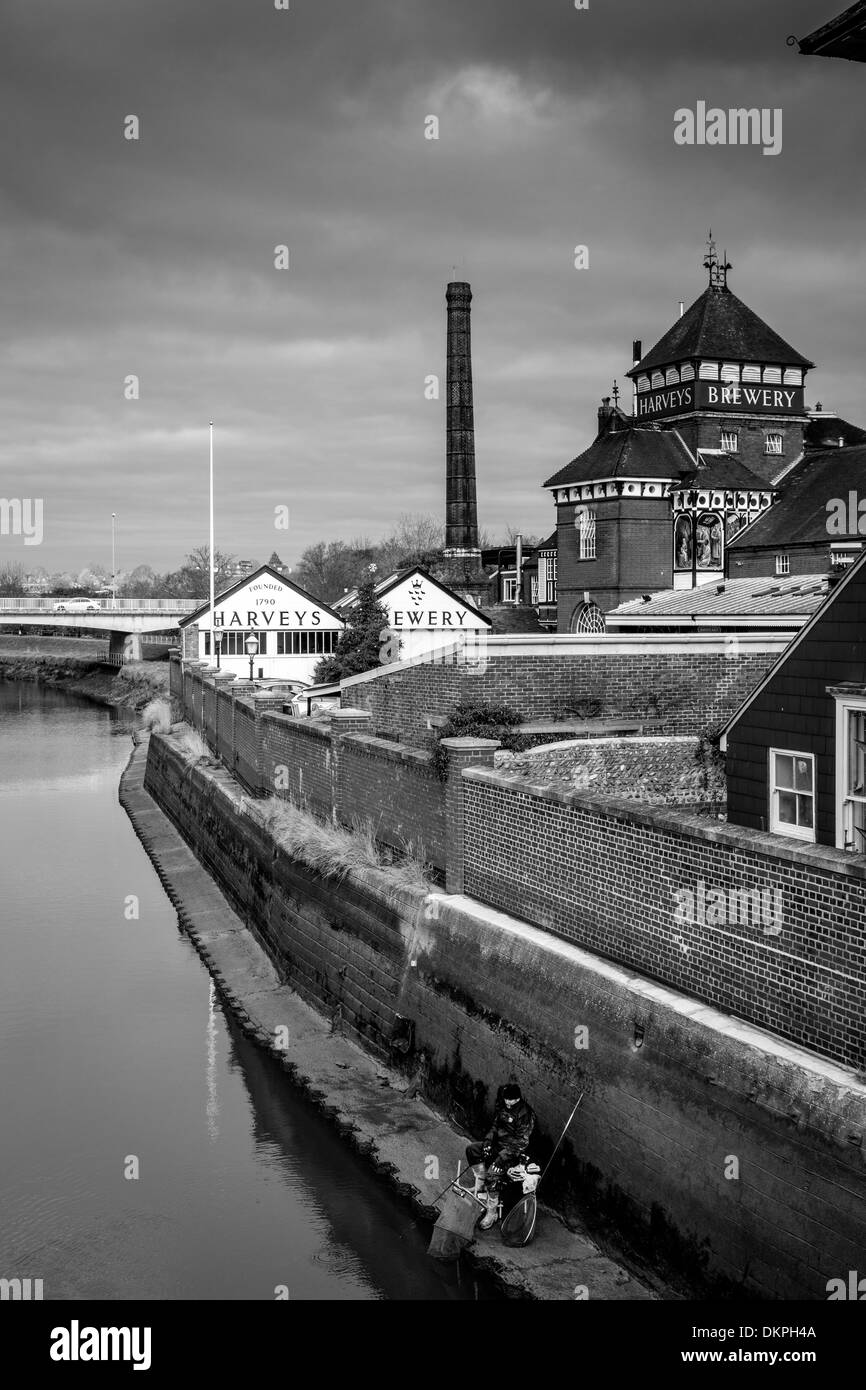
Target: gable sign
[269, 604]
[419, 604]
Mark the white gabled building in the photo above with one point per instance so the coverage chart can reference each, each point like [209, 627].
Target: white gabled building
[423, 614]
[293, 631]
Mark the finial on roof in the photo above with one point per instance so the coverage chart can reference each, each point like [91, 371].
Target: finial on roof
[717, 269]
[615, 394]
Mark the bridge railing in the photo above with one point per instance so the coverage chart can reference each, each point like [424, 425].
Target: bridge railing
[47, 604]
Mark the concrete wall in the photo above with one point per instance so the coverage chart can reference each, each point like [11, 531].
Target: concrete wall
[723, 1154]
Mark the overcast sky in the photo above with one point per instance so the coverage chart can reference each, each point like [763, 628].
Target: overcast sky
[306, 127]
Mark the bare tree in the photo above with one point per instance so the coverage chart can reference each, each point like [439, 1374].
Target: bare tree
[11, 581]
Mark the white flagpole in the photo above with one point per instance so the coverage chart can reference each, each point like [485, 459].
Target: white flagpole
[210, 554]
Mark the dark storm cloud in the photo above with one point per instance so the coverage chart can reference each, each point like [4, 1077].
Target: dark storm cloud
[306, 128]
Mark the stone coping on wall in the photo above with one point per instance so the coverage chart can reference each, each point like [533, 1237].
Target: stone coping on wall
[392, 752]
[307, 727]
[822, 857]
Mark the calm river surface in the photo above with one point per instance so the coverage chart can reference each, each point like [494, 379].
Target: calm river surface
[112, 1044]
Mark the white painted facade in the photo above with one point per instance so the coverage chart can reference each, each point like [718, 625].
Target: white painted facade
[293, 630]
[423, 616]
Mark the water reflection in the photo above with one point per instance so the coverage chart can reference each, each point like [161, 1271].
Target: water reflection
[114, 1045]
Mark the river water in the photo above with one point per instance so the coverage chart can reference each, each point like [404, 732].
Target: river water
[114, 1051]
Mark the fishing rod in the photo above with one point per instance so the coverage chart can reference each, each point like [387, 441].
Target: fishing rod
[452, 1183]
[561, 1137]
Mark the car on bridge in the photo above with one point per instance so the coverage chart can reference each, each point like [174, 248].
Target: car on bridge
[77, 605]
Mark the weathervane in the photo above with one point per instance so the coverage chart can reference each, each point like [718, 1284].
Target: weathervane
[615, 394]
[717, 269]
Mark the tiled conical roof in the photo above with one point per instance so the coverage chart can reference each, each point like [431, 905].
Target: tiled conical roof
[719, 325]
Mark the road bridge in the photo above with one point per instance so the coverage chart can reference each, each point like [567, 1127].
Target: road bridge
[130, 622]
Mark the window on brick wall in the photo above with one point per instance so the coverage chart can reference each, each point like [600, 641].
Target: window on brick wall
[584, 521]
[730, 441]
[774, 444]
[783, 564]
[792, 794]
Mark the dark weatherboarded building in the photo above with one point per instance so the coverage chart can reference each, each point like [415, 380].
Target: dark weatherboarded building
[796, 750]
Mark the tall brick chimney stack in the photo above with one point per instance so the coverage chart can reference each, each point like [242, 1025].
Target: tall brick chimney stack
[461, 508]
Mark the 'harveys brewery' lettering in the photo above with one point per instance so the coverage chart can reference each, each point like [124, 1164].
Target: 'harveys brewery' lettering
[251, 619]
[431, 618]
[703, 395]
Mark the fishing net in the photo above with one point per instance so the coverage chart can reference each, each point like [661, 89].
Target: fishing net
[456, 1225]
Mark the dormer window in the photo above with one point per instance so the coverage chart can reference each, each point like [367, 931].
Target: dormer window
[730, 441]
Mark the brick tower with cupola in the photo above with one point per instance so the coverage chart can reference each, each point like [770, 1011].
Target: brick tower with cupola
[718, 416]
[725, 381]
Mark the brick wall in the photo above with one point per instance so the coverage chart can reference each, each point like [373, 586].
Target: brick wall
[605, 876]
[677, 687]
[396, 787]
[246, 745]
[366, 778]
[296, 761]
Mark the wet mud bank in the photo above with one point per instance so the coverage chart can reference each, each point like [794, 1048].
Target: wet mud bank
[88, 679]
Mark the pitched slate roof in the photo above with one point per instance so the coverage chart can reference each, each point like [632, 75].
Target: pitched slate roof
[795, 597]
[629, 453]
[800, 515]
[842, 37]
[824, 431]
[720, 470]
[719, 325]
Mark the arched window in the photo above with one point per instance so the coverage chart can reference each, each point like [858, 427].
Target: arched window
[584, 521]
[587, 617]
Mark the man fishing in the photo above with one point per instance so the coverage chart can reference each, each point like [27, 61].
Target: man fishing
[504, 1145]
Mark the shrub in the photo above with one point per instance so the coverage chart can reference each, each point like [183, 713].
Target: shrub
[360, 646]
[479, 721]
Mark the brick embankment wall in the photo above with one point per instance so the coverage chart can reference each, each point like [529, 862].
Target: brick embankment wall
[606, 875]
[728, 1156]
[668, 691]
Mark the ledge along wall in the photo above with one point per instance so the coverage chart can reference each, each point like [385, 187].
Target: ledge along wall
[679, 685]
[733, 1156]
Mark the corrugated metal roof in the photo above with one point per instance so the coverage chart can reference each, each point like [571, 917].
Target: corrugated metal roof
[793, 596]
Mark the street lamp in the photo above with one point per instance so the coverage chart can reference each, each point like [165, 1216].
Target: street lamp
[218, 643]
[113, 564]
[252, 646]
